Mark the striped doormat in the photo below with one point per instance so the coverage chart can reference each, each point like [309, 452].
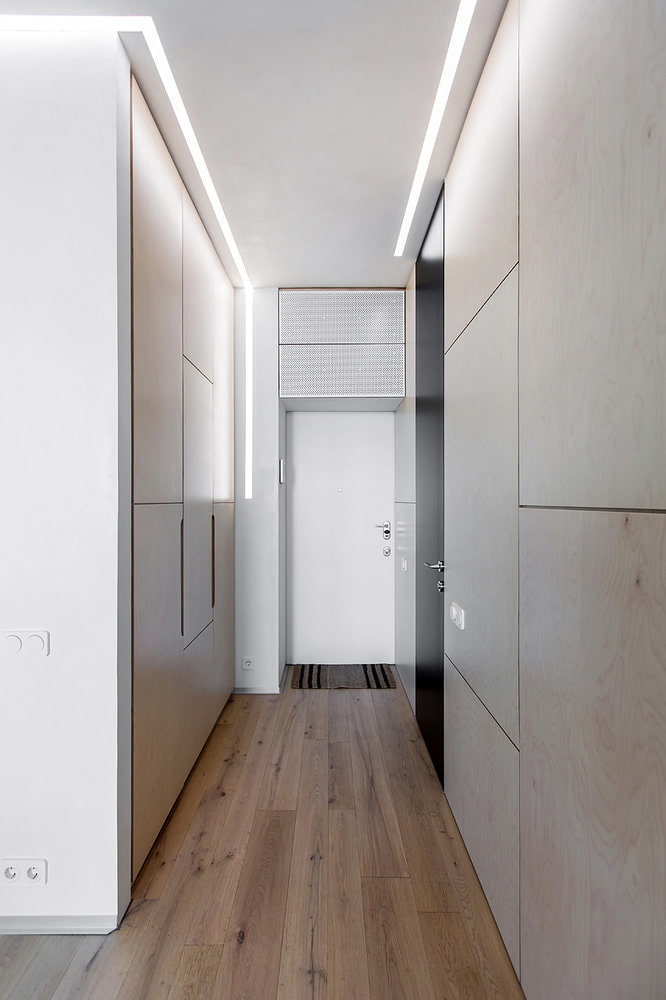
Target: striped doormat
[342, 675]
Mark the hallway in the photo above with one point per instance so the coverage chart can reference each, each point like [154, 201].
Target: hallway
[311, 854]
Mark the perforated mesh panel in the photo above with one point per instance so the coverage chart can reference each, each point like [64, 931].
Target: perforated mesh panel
[342, 316]
[342, 370]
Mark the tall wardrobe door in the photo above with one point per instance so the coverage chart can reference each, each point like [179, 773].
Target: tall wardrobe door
[158, 767]
[157, 322]
[198, 502]
[204, 301]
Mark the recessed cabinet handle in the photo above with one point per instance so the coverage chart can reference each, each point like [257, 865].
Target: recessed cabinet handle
[182, 578]
[212, 559]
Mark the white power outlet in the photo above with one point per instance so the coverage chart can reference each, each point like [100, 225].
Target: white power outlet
[248, 663]
[32, 871]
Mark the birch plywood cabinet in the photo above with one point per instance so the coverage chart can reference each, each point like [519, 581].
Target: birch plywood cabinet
[593, 757]
[181, 307]
[481, 189]
[593, 260]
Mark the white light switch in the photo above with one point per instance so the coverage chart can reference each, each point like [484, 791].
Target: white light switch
[457, 615]
[25, 642]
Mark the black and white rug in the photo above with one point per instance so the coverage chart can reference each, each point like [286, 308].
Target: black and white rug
[342, 675]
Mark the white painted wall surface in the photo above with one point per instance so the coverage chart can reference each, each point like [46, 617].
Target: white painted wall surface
[340, 587]
[257, 520]
[64, 451]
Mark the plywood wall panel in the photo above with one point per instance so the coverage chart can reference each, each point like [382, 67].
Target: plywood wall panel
[224, 596]
[157, 307]
[481, 781]
[481, 503]
[198, 501]
[593, 754]
[203, 291]
[593, 254]
[481, 188]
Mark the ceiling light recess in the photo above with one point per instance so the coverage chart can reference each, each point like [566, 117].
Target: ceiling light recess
[451, 62]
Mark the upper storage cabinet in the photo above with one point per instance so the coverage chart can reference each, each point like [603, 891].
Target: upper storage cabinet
[202, 302]
[158, 307]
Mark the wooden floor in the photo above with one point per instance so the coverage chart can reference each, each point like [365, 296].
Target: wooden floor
[311, 854]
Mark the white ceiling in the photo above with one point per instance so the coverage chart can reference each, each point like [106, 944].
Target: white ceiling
[311, 114]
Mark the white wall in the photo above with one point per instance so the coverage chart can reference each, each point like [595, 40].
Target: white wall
[257, 520]
[64, 450]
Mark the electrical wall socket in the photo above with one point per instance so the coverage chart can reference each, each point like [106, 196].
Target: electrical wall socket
[248, 663]
[28, 871]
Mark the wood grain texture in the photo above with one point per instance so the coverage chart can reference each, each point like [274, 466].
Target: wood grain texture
[593, 773]
[275, 899]
[495, 967]
[303, 964]
[453, 967]
[482, 784]
[203, 292]
[157, 313]
[481, 503]
[427, 871]
[251, 957]
[316, 720]
[340, 777]
[197, 501]
[481, 189]
[347, 954]
[338, 717]
[397, 965]
[157, 677]
[280, 782]
[593, 268]
[380, 842]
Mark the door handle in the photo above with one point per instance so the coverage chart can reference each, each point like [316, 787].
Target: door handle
[439, 566]
[386, 529]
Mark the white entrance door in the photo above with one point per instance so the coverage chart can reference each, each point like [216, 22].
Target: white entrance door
[340, 584]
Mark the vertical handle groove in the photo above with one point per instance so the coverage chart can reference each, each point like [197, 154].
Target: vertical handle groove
[182, 577]
[212, 519]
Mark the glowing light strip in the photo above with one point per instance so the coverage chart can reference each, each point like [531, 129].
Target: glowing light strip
[146, 27]
[249, 391]
[451, 62]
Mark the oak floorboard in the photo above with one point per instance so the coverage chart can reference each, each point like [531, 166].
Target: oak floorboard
[213, 909]
[251, 956]
[340, 778]
[316, 719]
[347, 954]
[453, 967]
[397, 962]
[41, 977]
[196, 972]
[279, 789]
[17, 951]
[158, 866]
[432, 889]
[338, 716]
[495, 968]
[303, 965]
[380, 842]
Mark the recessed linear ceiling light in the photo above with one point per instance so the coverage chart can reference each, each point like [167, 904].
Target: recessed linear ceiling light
[451, 62]
[146, 27]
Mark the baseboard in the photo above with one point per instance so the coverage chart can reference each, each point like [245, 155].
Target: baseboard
[94, 924]
[259, 690]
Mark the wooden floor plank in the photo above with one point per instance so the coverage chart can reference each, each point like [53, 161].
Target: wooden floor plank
[432, 889]
[98, 972]
[495, 968]
[304, 947]
[455, 974]
[213, 909]
[347, 955]
[340, 779]
[17, 952]
[279, 789]
[338, 716]
[41, 977]
[397, 963]
[380, 842]
[316, 719]
[196, 972]
[251, 956]
[157, 869]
